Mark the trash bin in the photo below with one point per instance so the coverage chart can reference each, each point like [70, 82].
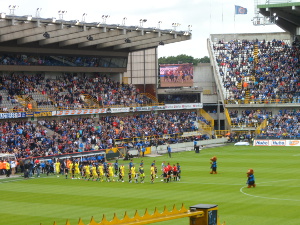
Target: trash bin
[197, 149]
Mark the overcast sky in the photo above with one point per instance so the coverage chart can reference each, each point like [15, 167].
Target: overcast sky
[206, 17]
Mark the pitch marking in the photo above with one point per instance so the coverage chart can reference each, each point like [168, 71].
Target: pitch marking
[256, 196]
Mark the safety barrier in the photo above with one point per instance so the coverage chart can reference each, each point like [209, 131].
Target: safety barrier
[227, 116]
[201, 214]
[263, 101]
[148, 95]
[261, 126]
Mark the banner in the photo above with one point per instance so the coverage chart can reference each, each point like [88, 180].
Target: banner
[12, 115]
[145, 108]
[78, 112]
[159, 107]
[119, 110]
[184, 106]
[42, 114]
[274, 142]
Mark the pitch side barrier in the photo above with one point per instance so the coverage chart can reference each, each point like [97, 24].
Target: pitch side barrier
[90, 110]
[201, 214]
[101, 152]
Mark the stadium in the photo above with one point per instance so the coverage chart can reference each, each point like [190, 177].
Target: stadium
[93, 94]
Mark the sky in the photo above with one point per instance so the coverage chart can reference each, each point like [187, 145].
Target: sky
[205, 17]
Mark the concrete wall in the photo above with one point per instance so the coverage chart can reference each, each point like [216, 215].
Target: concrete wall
[187, 146]
[203, 78]
[142, 67]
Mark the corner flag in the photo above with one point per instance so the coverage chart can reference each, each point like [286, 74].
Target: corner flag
[240, 10]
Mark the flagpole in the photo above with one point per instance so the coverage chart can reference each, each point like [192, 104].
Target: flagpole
[234, 20]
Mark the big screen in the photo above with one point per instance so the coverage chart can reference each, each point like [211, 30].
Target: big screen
[176, 75]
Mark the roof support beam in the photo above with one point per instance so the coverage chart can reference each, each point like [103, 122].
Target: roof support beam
[81, 37]
[155, 40]
[133, 36]
[61, 35]
[37, 33]
[156, 44]
[101, 38]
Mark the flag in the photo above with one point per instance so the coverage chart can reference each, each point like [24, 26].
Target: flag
[240, 10]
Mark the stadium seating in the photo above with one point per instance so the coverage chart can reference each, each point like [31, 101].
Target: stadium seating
[52, 137]
[273, 78]
[69, 91]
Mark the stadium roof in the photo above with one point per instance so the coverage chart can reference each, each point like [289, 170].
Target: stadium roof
[27, 32]
[287, 15]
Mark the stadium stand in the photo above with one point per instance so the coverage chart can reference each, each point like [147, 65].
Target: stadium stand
[273, 78]
[71, 135]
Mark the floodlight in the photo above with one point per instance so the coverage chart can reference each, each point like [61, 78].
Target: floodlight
[83, 17]
[46, 35]
[37, 13]
[104, 18]
[158, 25]
[61, 14]
[124, 21]
[142, 21]
[127, 40]
[12, 9]
[2, 15]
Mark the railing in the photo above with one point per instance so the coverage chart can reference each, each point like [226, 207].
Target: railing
[261, 126]
[92, 99]
[153, 98]
[227, 116]
[216, 72]
[157, 137]
[207, 117]
[263, 101]
[225, 133]
[202, 214]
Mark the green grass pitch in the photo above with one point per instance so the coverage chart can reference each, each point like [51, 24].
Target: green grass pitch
[275, 200]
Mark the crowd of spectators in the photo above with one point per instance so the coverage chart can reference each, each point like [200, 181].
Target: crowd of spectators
[78, 61]
[27, 139]
[29, 60]
[284, 125]
[72, 91]
[248, 117]
[275, 76]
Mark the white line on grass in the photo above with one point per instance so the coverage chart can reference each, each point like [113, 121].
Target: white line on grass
[256, 196]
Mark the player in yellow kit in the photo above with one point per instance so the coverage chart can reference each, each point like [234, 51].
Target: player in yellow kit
[152, 172]
[57, 168]
[121, 173]
[110, 176]
[87, 172]
[133, 173]
[77, 171]
[101, 172]
[94, 172]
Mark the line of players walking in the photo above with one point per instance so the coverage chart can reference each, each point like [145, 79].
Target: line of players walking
[111, 172]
